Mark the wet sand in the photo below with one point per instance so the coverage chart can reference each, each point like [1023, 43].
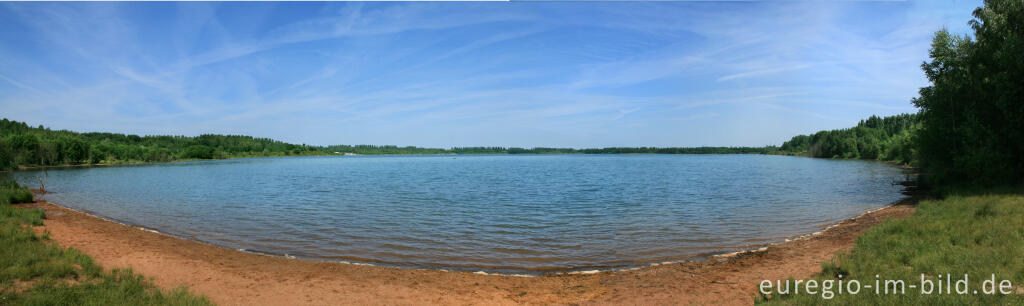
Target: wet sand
[230, 277]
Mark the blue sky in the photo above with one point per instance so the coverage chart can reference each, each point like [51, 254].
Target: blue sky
[458, 74]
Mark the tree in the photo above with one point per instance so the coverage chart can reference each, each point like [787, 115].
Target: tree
[25, 148]
[6, 156]
[972, 114]
[76, 151]
[198, 152]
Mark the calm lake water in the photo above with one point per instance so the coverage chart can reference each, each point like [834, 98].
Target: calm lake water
[499, 213]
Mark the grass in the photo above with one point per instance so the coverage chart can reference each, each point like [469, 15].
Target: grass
[11, 192]
[973, 233]
[36, 271]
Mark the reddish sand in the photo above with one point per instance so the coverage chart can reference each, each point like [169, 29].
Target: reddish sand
[230, 277]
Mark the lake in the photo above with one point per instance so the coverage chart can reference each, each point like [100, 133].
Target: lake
[496, 213]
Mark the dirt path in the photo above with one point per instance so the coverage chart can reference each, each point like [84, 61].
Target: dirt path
[229, 277]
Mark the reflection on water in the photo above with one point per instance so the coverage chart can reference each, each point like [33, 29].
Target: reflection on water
[496, 213]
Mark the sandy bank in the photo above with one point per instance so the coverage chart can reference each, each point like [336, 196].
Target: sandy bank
[230, 277]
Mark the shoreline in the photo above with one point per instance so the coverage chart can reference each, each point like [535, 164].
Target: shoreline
[229, 276]
[144, 163]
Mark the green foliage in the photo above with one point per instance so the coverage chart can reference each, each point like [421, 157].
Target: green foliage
[376, 150]
[972, 115]
[119, 287]
[198, 152]
[25, 146]
[874, 138]
[12, 193]
[977, 235]
[76, 151]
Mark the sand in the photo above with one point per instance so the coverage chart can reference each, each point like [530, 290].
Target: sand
[231, 277]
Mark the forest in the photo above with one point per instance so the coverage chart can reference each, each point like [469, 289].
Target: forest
[22, 145]
[972, 114]
[879, 138]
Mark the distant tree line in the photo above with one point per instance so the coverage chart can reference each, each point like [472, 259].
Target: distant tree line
[22, 145]
[880, 138]
[683, 150]
[385, 149]
[371, 149]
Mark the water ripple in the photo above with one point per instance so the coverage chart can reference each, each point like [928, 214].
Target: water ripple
[503, 213]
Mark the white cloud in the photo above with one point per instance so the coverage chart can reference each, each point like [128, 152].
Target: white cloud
[762, 72]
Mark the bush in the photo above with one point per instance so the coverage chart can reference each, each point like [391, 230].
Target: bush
[198, 152]
[11, 192]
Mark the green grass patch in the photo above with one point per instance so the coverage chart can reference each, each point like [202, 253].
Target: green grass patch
[977, 233]
[11, 192]
[36, 271]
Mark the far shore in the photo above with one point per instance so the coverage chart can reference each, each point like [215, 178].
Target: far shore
[139, 163]
[232, 277]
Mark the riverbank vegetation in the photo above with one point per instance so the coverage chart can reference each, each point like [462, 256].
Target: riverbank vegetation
[880, 138]
[22, 145]
[11, 192]
[968, 138]
[977, 233]
[35, 271]
[972, 115]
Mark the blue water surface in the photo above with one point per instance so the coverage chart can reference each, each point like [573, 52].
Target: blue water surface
[501, 213]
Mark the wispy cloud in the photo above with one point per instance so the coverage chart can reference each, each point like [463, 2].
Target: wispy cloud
[19, 84]
[762, 72]
[443, 74]
[624, 112]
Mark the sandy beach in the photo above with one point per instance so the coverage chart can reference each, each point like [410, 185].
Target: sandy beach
[231, 277]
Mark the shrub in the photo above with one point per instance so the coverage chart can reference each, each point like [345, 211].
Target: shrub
[11, 192]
